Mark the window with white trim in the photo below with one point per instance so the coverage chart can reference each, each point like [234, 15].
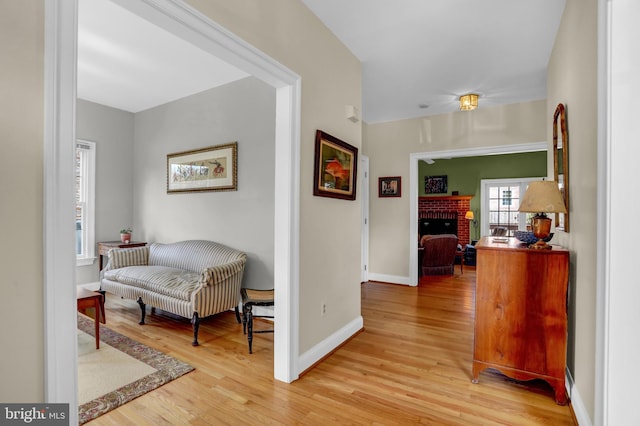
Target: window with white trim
[500, 204]
[85, 175]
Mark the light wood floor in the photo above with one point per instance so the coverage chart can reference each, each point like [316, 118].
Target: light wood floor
[411, 365]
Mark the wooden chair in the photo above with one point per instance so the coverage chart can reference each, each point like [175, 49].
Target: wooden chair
[251, 298]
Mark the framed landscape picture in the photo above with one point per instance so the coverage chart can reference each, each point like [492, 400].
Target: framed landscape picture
[390, 186]
[334, 172]
[435, 184]
[214, 168]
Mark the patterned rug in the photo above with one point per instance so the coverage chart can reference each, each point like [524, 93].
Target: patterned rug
[164, 369]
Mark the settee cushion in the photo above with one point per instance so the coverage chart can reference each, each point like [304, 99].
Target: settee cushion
[129, 257]
[168, 281]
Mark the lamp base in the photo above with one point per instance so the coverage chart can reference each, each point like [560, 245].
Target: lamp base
[540, 245]
[541, 225]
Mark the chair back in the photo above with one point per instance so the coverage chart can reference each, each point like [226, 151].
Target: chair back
[499, 231]
[439, 253]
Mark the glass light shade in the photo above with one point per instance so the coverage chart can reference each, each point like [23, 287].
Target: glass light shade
[469, 215]
[468, 102]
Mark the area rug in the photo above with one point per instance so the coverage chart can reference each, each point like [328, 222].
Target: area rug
[120, 371]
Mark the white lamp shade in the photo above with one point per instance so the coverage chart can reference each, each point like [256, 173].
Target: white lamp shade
[543, 197]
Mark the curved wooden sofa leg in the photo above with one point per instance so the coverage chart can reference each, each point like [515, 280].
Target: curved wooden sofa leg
[196, 325]
[143, 308]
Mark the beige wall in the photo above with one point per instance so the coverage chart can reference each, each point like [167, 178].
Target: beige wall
[331, 78]
[389, 145]
[330, 229]
[572, 80]
[242, 219]
[21, 216]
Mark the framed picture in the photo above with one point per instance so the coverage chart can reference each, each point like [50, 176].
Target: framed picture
[334, 172]
[435, 184]
[214, 168]
[390, 186]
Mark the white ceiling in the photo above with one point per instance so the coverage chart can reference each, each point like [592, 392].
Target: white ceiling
[128, 63]
[429, 52]
[413, 53]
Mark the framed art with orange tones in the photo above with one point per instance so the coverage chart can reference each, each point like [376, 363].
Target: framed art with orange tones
[335, 167]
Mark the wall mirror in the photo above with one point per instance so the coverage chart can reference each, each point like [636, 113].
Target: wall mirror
[561, 162]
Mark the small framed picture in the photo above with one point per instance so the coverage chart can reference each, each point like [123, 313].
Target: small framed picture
[390, 186]
[435, 184]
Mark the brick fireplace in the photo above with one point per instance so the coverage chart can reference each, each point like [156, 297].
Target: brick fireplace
[447, 207]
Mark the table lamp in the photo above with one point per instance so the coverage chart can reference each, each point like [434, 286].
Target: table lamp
[542, 197]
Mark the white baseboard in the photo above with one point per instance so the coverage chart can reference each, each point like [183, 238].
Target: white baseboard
[262, 310]
[91, 286]
[576, 401]
[393, 279]
[325, 347]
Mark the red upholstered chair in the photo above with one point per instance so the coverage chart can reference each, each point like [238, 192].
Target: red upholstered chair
[438, 254]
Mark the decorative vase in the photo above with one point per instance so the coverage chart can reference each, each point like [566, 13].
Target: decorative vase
[125, 238]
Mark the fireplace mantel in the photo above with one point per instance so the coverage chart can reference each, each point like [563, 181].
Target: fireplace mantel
[446, 197]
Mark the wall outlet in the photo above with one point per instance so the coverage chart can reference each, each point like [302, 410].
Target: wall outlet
[323, 308]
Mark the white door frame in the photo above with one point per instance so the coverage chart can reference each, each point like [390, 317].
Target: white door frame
[59, 139]
[364, 190]
[414, 189]
[617, 344]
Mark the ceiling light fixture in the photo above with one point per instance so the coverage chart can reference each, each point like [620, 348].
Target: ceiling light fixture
[468, 102]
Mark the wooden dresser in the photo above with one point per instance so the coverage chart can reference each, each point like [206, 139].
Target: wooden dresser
[521, 312]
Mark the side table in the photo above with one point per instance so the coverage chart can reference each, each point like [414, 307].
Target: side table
[91, 299]
[251, 298]
[105, 246]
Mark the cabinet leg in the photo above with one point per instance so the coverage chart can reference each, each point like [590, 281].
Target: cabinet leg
[475, 374]
[561, 394]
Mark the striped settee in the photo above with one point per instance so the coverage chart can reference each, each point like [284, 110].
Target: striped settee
[193, 279]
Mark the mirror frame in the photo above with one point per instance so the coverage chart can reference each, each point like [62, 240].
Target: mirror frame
[560, 117]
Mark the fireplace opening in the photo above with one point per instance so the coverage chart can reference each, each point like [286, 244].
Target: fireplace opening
[436, 223]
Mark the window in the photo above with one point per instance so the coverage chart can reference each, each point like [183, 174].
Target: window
[85, 202]
[500, 204]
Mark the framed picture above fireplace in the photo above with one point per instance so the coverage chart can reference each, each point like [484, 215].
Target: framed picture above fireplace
[435, 184]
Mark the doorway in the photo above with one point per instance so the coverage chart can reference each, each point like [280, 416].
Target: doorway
[60, 83]
[414, 190]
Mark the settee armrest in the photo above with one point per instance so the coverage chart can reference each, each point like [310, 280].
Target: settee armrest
[121, 257]
[219, 273]
[219, 288]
